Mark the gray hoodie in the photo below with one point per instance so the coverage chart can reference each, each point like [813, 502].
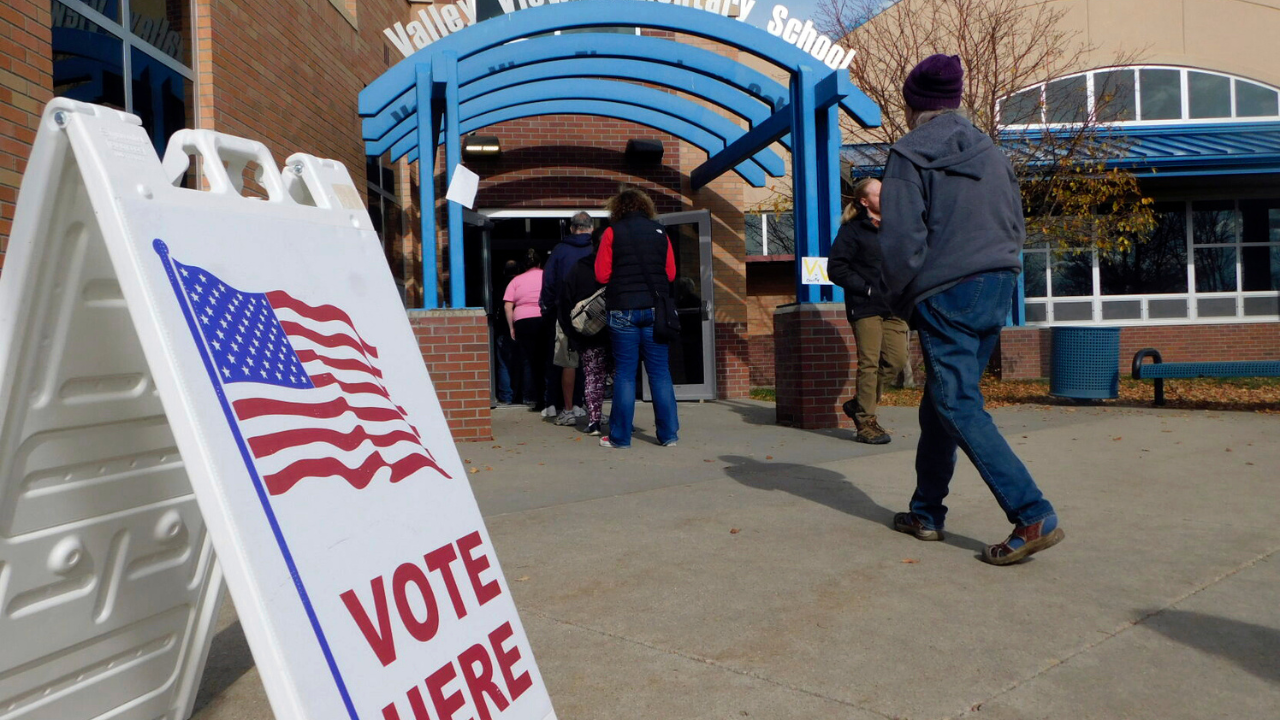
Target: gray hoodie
[950, 208]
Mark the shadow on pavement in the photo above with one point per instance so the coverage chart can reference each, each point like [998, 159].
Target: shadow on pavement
[229, 658]
[1254, 648]
[825, 487]
[753, 414]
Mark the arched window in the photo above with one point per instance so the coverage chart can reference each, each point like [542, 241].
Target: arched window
[1141, 95]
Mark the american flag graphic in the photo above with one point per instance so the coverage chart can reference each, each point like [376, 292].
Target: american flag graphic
[304, 387]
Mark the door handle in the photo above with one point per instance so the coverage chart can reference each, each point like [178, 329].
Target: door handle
[706, 309]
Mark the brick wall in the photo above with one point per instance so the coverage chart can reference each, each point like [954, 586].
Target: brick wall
[288, 73]
[26, 84]
[455, 348]
[816, 361]
[1025, 352]
[770, 284]
[573, 161]
[761, 355]
[733, 361]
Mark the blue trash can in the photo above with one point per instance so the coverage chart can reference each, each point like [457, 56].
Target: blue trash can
[1086, 363]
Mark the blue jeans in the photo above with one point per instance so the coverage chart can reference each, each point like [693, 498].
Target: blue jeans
[506, 361]
[632, 334]
[958, 332]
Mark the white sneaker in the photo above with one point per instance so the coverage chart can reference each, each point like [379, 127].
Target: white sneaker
[549, 411]
[566, 418]
[579, 412]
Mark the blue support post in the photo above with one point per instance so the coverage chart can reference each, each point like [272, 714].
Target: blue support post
[427, 189]
[445, 71]
[804, 176]
[829, 188]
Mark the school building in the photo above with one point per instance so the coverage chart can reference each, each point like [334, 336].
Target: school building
[1202, 107]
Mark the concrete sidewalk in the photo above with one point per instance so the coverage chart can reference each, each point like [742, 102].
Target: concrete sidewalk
[641, 602]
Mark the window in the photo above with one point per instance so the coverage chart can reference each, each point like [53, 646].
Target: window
[1211, 260]
[1140, 95]
[386, 215]
[95, 50]
[770, 234]
[1161, 92]
[1209, 95]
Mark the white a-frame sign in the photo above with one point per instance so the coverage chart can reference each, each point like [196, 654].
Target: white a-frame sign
[184, 370]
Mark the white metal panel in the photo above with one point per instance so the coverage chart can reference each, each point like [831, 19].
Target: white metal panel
[108, 583]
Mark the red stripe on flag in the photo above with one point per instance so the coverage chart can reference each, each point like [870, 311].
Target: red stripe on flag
[325, 380]
[307, 356]
[267, 445]
[329, 341]
[250, 408]
[319, 313]
[359, 477]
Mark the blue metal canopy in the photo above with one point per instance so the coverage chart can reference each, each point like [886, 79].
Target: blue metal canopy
[1154, 151]
[480, 76]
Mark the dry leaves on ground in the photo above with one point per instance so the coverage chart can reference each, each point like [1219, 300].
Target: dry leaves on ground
[1250, 394]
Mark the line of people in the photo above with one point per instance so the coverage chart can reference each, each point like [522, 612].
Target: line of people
[633, 261]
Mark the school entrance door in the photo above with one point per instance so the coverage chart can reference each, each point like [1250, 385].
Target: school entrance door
[693, 356]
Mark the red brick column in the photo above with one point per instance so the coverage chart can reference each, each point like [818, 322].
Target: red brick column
[733, 361]
[816, 362]
[455, 348]
[26, 84]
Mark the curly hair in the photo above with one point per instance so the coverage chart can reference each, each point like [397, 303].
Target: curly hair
[628, 201]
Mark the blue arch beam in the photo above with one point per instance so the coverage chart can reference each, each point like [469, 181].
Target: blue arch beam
[428, 85]
[661, 56]
[467, 43]
[585, 75]
[694, 135]
[827, 92]
[576, 89]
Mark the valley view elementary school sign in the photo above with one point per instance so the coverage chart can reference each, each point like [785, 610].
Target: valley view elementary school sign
[433, 24]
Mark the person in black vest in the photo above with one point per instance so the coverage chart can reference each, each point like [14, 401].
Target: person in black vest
[635, 262]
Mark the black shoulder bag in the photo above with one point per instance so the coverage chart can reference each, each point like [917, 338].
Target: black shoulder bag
[666, 322]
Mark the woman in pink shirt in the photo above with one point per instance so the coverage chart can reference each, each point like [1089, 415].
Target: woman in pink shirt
[524, 317]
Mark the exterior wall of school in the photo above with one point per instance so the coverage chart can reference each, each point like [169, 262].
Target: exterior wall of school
[26, 84]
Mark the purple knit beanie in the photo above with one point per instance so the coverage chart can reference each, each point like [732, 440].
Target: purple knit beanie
[935, 84]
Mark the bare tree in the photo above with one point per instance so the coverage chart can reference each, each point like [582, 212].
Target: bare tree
[1011, 50]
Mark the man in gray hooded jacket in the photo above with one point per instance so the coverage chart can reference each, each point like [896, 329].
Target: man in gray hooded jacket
[951, 234]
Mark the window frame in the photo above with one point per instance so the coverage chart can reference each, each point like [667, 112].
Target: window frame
[124, 32]
[1184, 84]
[1192, 297]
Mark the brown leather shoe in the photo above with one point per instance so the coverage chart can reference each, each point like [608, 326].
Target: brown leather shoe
[913, 524]
[1025, 540]
[871, 436]
[875, 425]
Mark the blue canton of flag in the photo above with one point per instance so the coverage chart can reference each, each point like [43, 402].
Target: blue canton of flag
[244, 335]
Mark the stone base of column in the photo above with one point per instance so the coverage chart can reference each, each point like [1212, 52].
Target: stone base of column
[455, 348]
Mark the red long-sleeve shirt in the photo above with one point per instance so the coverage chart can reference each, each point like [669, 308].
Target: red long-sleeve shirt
[604, 258]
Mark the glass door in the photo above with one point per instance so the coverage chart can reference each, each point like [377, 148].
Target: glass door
[693, 369]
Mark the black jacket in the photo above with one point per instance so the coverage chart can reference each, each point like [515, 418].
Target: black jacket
[855, 265]
[634, 252]
[950, 208]
[567, 252]
[579, 283]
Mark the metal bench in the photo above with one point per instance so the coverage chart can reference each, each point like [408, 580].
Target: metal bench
[1159, 370]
